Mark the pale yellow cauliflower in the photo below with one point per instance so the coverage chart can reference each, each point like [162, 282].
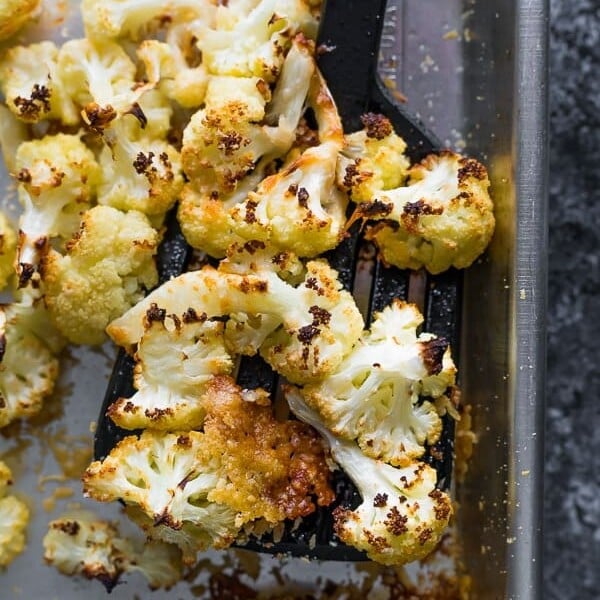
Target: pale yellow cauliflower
[443, 218]
[14, 516]
[14, 14]
[8, 248]
[108, 267]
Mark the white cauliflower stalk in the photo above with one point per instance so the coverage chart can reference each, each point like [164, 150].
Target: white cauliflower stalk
[138, 174]
[14, 517]
[57, 177]
[79, 543]
[373, 396]
[32, 86]
[176, 358]
[304, 330]
[402, 516]
[443, 218]
[108, 267]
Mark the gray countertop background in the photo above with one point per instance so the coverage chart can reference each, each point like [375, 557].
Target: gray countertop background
[572, 482]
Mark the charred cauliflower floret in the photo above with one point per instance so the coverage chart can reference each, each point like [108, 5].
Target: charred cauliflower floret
[14, 516]
[14, 14]
[126, 18]
[8, 248]
[303, 327]
[443, 218]
[174, 361]
[28, 367]
[57, 177]
[32, 87]
[108, 267]
[372, 159]
[373, 396]
[138, 174]
[79, 543]
[402, 516]
[228, 145]
[100, 77]
[250, 38]
[244, 466]
[300, 208]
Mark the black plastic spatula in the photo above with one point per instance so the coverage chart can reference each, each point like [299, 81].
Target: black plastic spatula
[348, 46]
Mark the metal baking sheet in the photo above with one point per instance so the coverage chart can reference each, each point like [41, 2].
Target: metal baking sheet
[474, 72]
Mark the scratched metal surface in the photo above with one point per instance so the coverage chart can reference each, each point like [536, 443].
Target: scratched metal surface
[460, 65]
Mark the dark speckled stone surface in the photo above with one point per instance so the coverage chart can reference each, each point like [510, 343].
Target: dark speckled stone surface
[572, 483]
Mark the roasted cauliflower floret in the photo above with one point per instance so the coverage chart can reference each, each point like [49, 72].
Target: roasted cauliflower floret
[228, 145]
[373, 396]
[14, 14]
[32, 87]
[79, 543]
[100, 77]
[108, 267]
[300, 208]
[402, 516]
[175, 67]
[28, 368]
[372, 159]
[175, 360]
[134, 18]
[169, 476]
[57, 177]
[305, 327]
[8, 249]
[250, 39]
[14, 516]
[443, 218]
[138, 174]
[205, 479]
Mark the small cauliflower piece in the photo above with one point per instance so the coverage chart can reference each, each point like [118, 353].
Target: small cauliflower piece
[300, 208]
[14, 14]
[138, 174]
[134, 18]
[373, 395]
[176, 358]
[79, 543]
[173, 65]
[402, 516]
[14, 516]
[57, 177]
[250, 39]
[205, 486]
[100, 77]
[8, 250]
[306, 325]
[228, 145]
[372, 159]
[28, 368]
[13, 132]
[31, 84]
[443, 218]
[108, 267]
